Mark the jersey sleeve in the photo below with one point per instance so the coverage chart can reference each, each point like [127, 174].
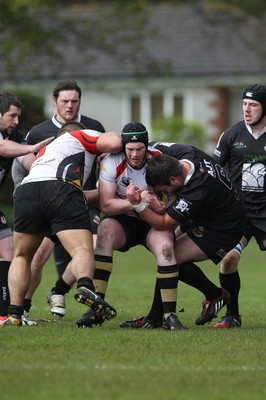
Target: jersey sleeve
[88, 138]
[107, 169]
[180, 210]
[222, 150]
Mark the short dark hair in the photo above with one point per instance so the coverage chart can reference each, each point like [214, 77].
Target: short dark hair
[160, 168]
[66, 85]
[8, 99]
[70, 126]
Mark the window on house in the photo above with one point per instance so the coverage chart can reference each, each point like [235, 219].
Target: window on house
[178, 106]
[156, 107]
[135, 108]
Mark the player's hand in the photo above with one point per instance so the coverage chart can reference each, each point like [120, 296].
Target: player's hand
[133, 194]
[38, 146]
[155, 204]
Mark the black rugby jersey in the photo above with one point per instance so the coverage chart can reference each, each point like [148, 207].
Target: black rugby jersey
[208, 197]
[246, 160]
[6, 162]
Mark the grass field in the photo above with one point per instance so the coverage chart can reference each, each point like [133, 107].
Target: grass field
[58, 361]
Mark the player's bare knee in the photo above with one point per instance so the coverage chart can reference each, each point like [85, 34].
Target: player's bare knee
[229, 263]
[167, 251]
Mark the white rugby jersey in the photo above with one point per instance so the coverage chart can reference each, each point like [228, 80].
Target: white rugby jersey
[69, 158]
[116, 169]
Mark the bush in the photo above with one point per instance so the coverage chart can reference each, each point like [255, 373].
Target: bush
[172, 129]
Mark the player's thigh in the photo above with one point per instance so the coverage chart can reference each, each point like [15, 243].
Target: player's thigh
[76, 240]
[110, 234]
[26, 244]
[186, 250]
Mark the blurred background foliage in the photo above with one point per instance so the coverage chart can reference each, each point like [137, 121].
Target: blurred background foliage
[172, 129]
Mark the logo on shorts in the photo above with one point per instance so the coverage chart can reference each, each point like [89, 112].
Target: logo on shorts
[198, 231]
[96, 219]
[3, 220]
[221, 253]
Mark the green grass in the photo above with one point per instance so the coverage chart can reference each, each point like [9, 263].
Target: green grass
[58, 361]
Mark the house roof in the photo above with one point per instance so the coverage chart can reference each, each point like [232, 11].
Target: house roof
[182, 41]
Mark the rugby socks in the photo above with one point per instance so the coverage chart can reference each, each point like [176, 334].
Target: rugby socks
[192, 275]
[61, 287]
[231, 283]
[4, 295]
[156, 311]
[27, 305]
[15, 310]
[86, 282]
[167, 277]
[103, 270]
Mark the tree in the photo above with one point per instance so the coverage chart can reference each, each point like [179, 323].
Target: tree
[32, 32]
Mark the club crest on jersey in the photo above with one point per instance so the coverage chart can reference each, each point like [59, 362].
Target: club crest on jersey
[182, 206]
[125, 181]
[239, 145]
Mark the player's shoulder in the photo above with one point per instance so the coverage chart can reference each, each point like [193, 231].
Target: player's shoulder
[92, 123]
[152, 151]
[43, 125]
[41, 131]
[239, 127]
[115, 159]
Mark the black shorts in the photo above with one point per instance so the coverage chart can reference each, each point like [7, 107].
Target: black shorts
[49, 207]
[5, 231]
[252, 230]
[136, 230]
[214, 244]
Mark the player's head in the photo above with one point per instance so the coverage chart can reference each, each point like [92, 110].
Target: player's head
[64, 85]
[134, 132]
[67, 99]
[10, 112]
[165, 173]
[70, 127]
[258, 93]
[135, 142]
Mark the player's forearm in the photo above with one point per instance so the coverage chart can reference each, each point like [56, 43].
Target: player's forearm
[11, 149]
[116, 206]
[155, 220]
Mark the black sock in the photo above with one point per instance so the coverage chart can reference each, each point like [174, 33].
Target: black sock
[231, 283]
[15, 310]
[61, 287]
[156, 311]
[4, 295]
[87, 282]
[27, 305]
[192, 275]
